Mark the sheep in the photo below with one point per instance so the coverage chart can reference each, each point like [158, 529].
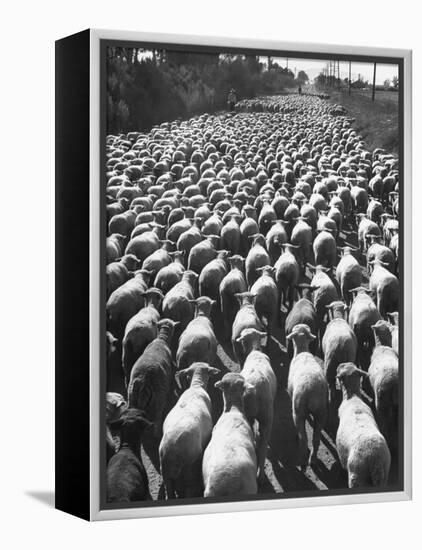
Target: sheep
[383, 375]
[229, 465]
[335, 214]
[365, 227]
[211, 276]
[377, 251]
[141, 330]
[122, 223]
[266, 217]
[324, 293]
[325, 249]
[151, 376]
[116, 207]
[198, 341]
[120, 271]
[376, 185]
[374, 211]
[344, 194]
[233, 283]
[246, 317]
[359, 199]
[325, 223]
[157, 260]
[318, 202]
[390, 228]
[348, 274]
[302, 313]
[259, 402]
[309, 214]
[213, 225]
[256, 258]
[127, 480]
[230, 235]
[362, 449]
[186, 433]
[178, 227]
[125, 302]
[145, 244]
[171, 274]
[115, 407]
[308, 391]
[287, 273]
[362, 315]
[302, 237]
[248, 227]
[385, 288]
[266, 297]
[202, 253]
[275, 237]
[114, 247]
[339, 345]
[188, 239]
[177, 303]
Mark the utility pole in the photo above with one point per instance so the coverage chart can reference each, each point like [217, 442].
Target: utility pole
[350, 77]
[373, 82]
[338, 74]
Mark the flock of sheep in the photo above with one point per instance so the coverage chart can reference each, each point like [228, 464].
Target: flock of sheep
[252, 258]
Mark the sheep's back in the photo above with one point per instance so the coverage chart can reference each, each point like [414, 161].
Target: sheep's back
[126, 477]
[306, 382]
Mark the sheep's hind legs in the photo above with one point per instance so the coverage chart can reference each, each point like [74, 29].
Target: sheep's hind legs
[262, 446]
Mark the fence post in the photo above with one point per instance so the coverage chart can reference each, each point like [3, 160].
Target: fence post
[373, 83]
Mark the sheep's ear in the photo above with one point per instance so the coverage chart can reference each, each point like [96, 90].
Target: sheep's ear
[289, 336]
[218, 385]
[312, 336]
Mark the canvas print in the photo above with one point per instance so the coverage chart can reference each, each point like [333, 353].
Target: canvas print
[252, 284]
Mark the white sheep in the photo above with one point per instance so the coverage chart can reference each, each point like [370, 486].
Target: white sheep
[186, 432]
[361, 447]
[308, 391]
[259, 402]
[383, 375]
[229, 466]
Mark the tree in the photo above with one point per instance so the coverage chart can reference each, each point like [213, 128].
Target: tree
[302, 77]
[387, 83]
[395, 82]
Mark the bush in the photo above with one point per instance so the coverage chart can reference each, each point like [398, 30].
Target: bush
[144, 92]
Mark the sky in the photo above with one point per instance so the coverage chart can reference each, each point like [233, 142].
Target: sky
[313, 67]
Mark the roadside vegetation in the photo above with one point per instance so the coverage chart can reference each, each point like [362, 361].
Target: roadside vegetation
[148, 87]
[378, 121]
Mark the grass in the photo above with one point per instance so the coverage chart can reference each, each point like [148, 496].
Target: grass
[378, 121]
